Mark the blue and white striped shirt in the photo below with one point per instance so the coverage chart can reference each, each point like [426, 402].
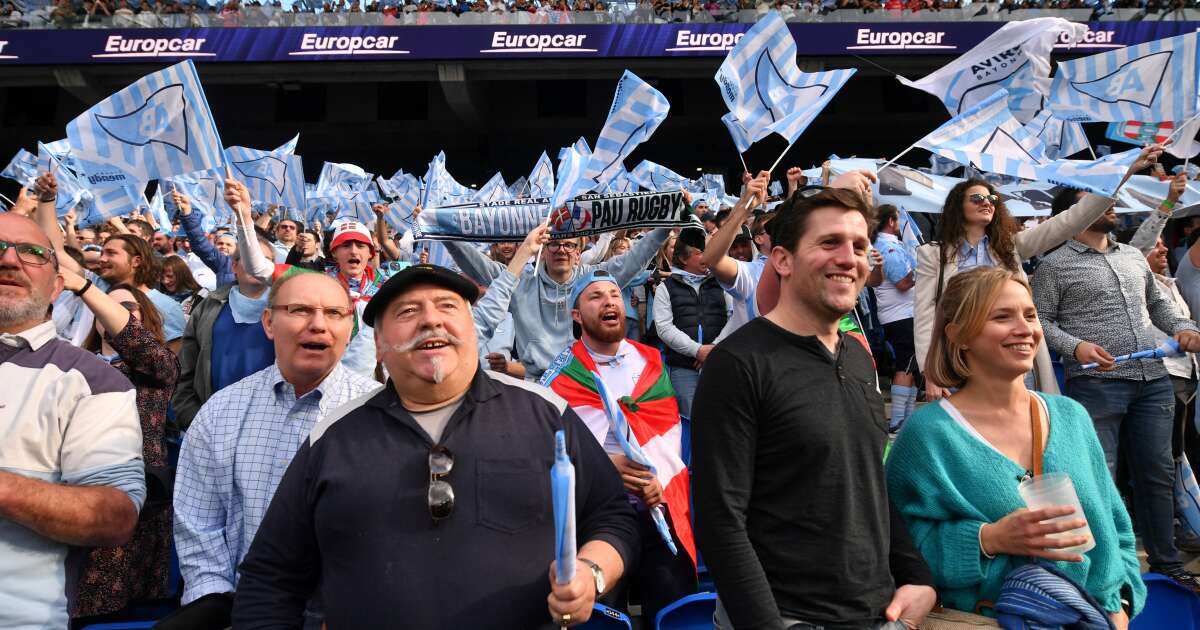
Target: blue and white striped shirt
[233, 456]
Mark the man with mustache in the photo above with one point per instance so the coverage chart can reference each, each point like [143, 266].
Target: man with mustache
[240, 442]
[71, 472]
[635, 382]
[428, 504]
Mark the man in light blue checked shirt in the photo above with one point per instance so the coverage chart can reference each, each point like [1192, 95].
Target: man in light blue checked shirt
[244, 437]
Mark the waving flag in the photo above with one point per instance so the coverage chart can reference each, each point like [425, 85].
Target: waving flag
[392, 187]
[288, 147]
[541, 178]
[440, 187]
[741, 137]
[656, 177]
[408, 194]
[70, 191]
[1062, 138]
[637, 110]
[157, 127]
[343, 178]
[204, 190]
[1151, 81]
[581, 145]
[22, 168]
[1095, 176]
[990, 139]
[270, 177]
[570, 180]
[809, 93]
[755, 71]
[519, 188]
[494, 190]
[1015, 58]
[1184, 145]
[107, 203]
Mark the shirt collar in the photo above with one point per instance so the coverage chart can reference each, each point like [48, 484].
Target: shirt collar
[35, 337]
[892, 237]
[605, 359]
[966, 249]
[1080, 247]
[281, 385]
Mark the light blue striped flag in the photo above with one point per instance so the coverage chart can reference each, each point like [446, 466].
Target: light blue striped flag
[22, 168]
[157, 209]
[637, 110]
[656, 177]
[766, 50]
[408, 194]
[107, 203]
[809, 94]
[343, 179]
[71, 192]
[741, 137]
[1015, 58]
[440, 187]
[622, 183]
[393, 186]
[570, 180]
[910, 232]
[289, 147]
[582, 146]
[541, 178]
[1100, 176]
[1062, 138]
[519, 188]
[269, 176]
[1183, 141]
[157, 127]
[493, 190]
[1150, 82]
[205, 191]
[990, 139]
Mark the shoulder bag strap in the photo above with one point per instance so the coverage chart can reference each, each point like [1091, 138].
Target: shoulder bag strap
[1035, 423]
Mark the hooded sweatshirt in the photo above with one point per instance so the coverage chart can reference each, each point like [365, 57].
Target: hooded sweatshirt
[539, 306]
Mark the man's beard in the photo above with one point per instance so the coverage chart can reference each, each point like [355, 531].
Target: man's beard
[1103, 225]
[20, 311]
[604, 335]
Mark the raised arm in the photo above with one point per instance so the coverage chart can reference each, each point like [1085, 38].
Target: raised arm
[473, 263]
[716, 252]
[72, 240]
[213, 259]
[46, 189]
[252, 258]
[625, 268]
[595, 255]
[1148, 232]
[385, 243]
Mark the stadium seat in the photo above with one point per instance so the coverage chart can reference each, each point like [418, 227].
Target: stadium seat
[1168, 605]
[685, 441]
[605, 618]
[694, 612]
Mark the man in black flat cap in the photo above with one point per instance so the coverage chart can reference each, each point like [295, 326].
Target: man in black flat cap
[427, 504]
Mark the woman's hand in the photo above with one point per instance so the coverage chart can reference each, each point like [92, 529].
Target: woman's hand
[1026, 532]
[1119, 619]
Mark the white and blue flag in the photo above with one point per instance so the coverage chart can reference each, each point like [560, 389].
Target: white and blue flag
[205, 191]
[741, 137]
[343, 179]
[157, 127]
[809, 94]
[637, 111]
[400, 213]
[493, 190]
[1015, 58]
[570, 180]
[1061, 138]
[754, 75]
[1100, 176]
[519, 188]
[990, 139]
[1183, 141]
[71, 192]
[440, 187]
[269, 176]
[541, 178]
[656, 177]
[289, 147]
[582, 146]
[22, 168]
[107, 203]
[1155, 81]
[392, 187]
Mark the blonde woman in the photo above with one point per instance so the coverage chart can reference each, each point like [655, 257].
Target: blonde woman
[954, 469]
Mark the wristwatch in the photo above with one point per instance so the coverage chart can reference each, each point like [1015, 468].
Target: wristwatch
[597, 575]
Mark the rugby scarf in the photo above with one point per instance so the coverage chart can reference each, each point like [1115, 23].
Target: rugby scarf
[653, 416]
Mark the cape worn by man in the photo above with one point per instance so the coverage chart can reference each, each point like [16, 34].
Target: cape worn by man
[653, 416]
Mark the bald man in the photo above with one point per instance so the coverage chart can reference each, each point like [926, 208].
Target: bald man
[71, 471]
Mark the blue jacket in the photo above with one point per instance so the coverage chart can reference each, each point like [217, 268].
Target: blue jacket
[221, 264]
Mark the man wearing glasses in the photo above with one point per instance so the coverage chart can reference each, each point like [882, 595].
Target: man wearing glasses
[427, 505]
[286, 232]
[539, 306]
[241, 441]
[71, 469]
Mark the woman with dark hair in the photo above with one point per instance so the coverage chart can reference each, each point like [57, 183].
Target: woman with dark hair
[178, 283]
[976, 230]
[128, 334]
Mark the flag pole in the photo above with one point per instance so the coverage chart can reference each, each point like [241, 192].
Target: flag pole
[780, 159]
[893, 160]
[745, 169]
[1092, 152]
[10, 201]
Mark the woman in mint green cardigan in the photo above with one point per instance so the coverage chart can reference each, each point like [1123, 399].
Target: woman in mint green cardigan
[954, 469]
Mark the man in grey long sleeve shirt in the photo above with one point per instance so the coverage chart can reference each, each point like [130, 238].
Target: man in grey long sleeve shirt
[1093, 296]
[539, 307]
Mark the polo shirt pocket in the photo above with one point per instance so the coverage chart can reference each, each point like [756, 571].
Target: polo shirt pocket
[512, 494]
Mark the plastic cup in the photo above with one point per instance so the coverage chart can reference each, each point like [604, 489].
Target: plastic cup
[1053, 489]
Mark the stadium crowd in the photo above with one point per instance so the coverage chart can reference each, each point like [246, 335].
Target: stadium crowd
[328, 429]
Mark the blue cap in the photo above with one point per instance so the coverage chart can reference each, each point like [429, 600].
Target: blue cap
[599, 275]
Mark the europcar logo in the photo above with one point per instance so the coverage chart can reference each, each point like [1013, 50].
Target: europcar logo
[1091, 39]
[869, 39]
[3, 53]
[688, 41]
[503, 42]
[314, 44]
[146, 47]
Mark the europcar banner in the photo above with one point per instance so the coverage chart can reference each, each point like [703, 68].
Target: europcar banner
[504, 221]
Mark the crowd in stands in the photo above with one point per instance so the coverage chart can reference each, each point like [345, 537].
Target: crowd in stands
[326, 428]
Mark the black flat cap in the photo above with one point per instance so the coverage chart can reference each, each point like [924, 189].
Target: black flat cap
[418, 274]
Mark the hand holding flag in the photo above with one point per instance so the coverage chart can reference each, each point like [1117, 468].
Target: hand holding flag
[1169, 348]
[562, 491]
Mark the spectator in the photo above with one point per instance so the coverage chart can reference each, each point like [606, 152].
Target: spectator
[216, 255]
[306, 253]
[162, 244]
[244, 436]
[493, 321]
[286, 233]
[634, 294]
[224, 341]
[1093, 296]
[784, 545]
[954, 470]
[419, 445]
[740, 278]
[976, 230]
[71, 470]
[895, 310]
[538, 305]
[128, 335]
[352, 250]
[635, 382]
[178, 284]
[691, 313]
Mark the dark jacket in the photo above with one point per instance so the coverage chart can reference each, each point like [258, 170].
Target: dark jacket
[351, 515]
[691, 309]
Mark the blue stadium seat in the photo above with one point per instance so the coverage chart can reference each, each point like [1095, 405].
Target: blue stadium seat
[694, 612]
[1168, 605]
[605, 618]
[685, 441]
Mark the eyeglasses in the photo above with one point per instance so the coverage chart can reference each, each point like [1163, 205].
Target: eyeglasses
[305, 311]
[28, 253]
[569, 246]
[978, 198]
[285, 226]
[441, 493]
[132, 307]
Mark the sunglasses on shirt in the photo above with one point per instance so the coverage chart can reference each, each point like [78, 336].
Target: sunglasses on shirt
[441, 493]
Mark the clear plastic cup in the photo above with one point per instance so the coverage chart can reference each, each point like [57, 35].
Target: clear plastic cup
[1052, 489]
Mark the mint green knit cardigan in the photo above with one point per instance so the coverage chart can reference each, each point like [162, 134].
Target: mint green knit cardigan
[947, 483]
